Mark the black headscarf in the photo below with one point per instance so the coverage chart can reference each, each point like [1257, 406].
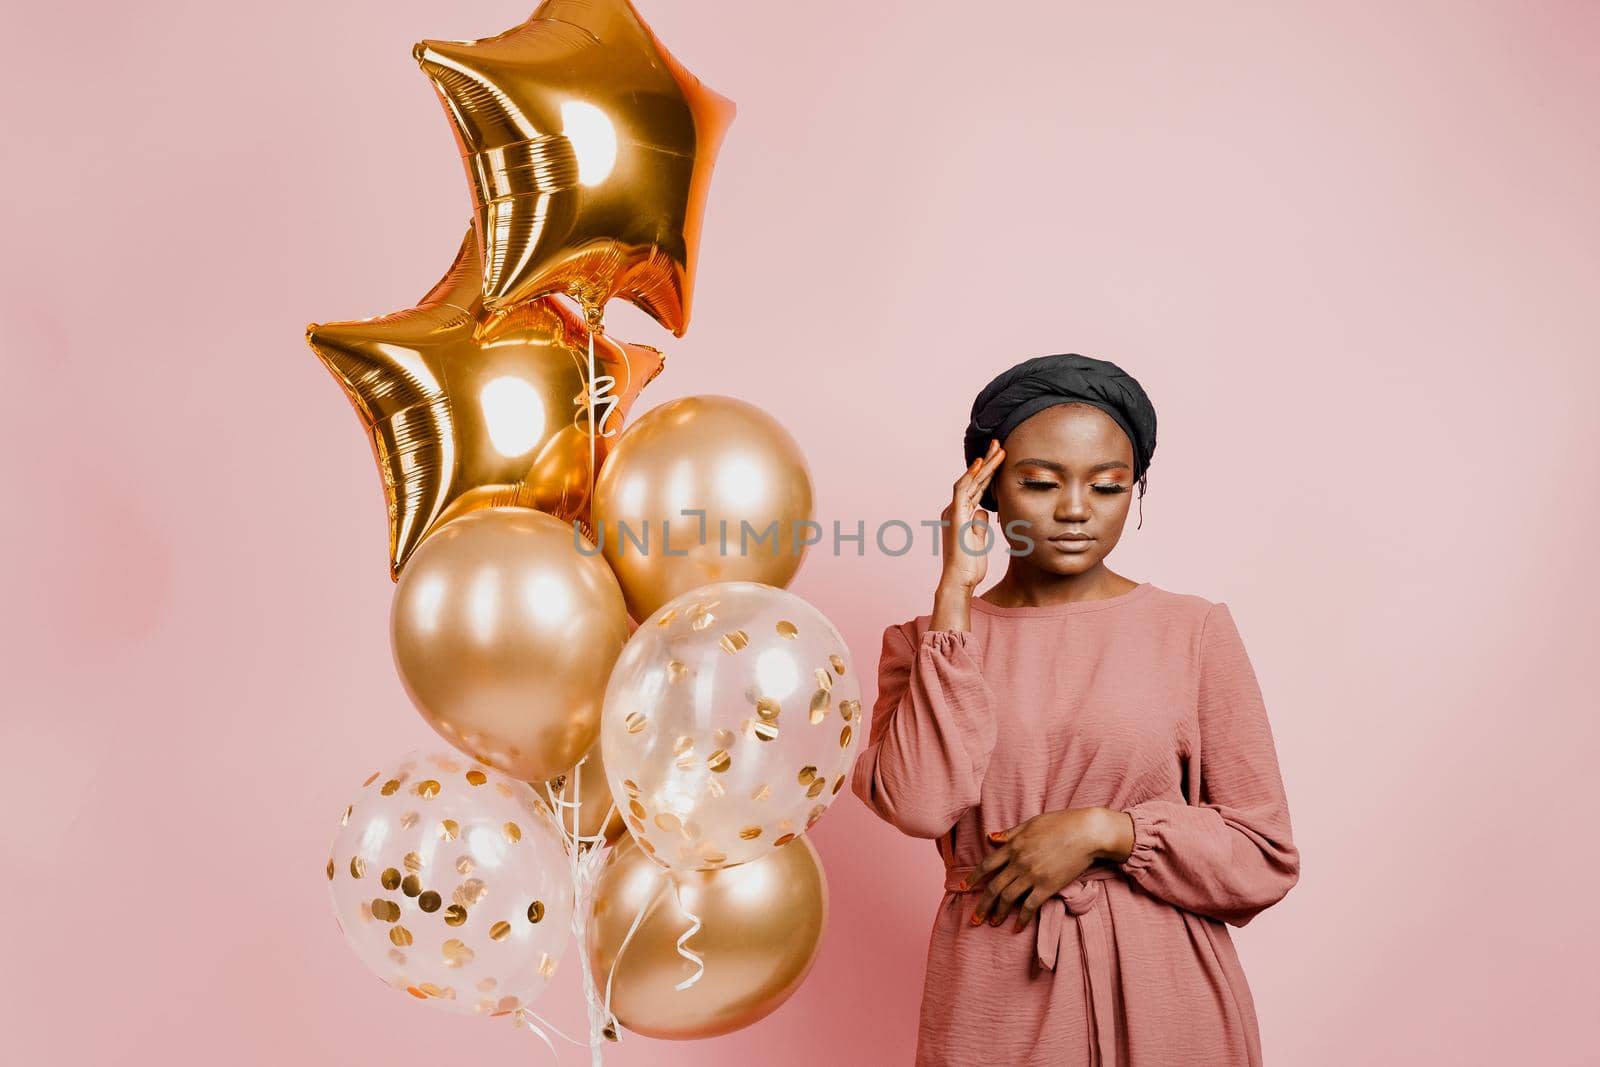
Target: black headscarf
[1044, 381]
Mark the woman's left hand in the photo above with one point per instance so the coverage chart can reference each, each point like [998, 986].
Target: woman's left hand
[1036, 859]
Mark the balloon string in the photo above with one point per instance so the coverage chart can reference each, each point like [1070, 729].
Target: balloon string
[593, 432]
[638, 918]
[683, 948]
[537, 1024]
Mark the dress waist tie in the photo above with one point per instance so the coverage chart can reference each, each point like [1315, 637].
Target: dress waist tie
[1080, 898]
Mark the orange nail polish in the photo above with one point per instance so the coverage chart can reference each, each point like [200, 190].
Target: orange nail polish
[963, 885]
[976, 921]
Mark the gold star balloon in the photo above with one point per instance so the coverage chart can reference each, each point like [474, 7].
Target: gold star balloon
[468, 409]
[589, 149]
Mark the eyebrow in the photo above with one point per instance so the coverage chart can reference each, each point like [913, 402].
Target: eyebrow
[1050, 464]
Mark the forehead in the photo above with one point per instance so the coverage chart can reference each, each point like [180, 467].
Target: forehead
[1069, 434]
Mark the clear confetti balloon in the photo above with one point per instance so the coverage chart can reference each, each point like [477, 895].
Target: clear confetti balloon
[451, 882]
[730, 723]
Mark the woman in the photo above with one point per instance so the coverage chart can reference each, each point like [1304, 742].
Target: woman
[1091, 753]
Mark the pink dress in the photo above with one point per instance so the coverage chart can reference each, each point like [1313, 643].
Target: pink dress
[1146, 703]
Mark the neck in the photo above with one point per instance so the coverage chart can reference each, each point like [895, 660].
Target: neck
[1029, 587]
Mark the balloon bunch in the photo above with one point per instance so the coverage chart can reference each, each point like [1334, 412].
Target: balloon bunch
[643, 787]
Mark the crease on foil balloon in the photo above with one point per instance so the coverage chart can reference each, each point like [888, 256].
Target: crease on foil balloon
[584, 865]
[683, 940]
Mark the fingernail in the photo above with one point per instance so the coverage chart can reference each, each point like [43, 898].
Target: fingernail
[994, 835]
[963, 885]
[976, 920]
[995, 921]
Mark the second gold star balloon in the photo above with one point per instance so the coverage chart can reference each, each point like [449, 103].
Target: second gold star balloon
[589, 149]
[468, 410]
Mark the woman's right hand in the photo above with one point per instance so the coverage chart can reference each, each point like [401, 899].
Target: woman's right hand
[966, 558]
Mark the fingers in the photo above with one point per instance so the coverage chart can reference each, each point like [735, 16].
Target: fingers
[991, 894]
[1008, 899]
[982, 467]
[993, 861]
[1034, 901]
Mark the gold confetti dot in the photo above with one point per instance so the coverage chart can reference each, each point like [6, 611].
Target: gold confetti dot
[386, 910]
[638, 827]
[447, 993]
[500, 931]
[824, 679]
[714, 858]
[547, 966]
[390, 878]
[449, 830]
[427, 789]
[455, 915]
[669, 822]
[390, 787]
[682, 745]
[476, 777]
[631, 786]
[676, 671]
[644, 843]
[536, 911]
[817, 787]
[512, 831]
[635, 722]
[819, 706]
[762, 792]
[701, 620]
[722, 737]
[411, 885]
[838, 663]
[844, 736]
[807, 774]
[408, 820]
[470, 892]
[507, 1004]
[750, 833]
[838, 784]
[445, 763]
[464, 864]
[666, 620]
[401, 937]
[505, 790]
[358, 867]
[766, 731]
[685, 762]
[788, 629]
[636, 808]
[784, 840]
[768, 709]
[486, 984]
[344, 820]
[714, 788]
[429, 902]
[456, 953]
[373, 777]
[719, 761]
[734, 642]
[330, 869]
[397, 957]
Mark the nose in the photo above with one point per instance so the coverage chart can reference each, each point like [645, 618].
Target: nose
[1072, 505]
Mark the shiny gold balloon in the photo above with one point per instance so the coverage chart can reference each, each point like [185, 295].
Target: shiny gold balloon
[593, 795]
[504, 635]
[589, 150]
[467, 409]
[762, 927]
[715, 454]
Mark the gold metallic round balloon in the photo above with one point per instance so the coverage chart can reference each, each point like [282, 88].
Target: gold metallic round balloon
[589, 149]
[467, 409]
[505, 634]
[714, 454]
[762, 925]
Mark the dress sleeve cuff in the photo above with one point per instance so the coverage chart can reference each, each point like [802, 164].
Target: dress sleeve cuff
[946, 642]
[1146, 834]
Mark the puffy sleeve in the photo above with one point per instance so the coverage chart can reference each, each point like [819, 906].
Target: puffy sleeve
[1228, 853]
[931, 735]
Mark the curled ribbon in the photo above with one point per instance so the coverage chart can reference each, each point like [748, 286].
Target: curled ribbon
[683, 948]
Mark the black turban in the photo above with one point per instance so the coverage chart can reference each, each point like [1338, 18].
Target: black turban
[1044, 381]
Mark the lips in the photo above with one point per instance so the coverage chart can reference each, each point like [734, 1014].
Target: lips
[1072, 537]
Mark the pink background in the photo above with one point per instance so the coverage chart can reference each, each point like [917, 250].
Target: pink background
[1349, 248]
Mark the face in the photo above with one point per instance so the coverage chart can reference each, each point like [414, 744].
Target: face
[1068, 474]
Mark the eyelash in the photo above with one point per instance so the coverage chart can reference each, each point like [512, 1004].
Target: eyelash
[1107, 489]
